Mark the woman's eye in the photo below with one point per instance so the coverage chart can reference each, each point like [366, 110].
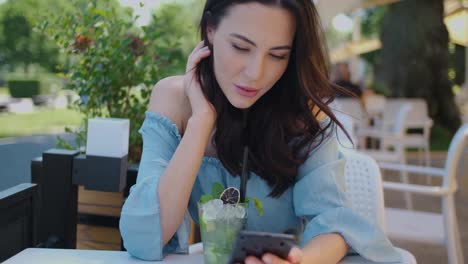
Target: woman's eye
[279, 57]
[239, 48]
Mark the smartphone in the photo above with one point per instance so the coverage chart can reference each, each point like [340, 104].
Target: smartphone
[253, 243]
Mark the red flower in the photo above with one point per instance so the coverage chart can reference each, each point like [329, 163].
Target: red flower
[137, 47]
[82, 42]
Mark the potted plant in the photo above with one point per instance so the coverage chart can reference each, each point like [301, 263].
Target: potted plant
[113, 64]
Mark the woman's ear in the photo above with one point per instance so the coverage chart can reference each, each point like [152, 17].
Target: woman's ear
[210, 31]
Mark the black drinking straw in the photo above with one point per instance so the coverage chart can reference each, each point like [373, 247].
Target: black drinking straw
[243, 186]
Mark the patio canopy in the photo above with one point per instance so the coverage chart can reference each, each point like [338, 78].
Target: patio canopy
[328, 9]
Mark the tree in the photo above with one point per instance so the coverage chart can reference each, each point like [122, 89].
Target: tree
[458, 64]
[180, 24]
[372, 21]
[20, 45]
[17, 33]
[415, 57]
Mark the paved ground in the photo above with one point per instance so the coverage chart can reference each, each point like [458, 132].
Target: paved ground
[16, 155]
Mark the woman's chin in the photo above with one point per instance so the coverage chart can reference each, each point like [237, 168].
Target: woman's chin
[241, 103]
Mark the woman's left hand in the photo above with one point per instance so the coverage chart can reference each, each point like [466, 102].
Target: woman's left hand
[294, 257]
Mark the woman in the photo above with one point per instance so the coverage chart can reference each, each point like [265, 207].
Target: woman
[266, 57]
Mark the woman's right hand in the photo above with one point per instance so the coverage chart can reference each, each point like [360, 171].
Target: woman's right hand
[202, 109]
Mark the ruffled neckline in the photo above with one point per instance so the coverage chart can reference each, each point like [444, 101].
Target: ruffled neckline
[172, 127]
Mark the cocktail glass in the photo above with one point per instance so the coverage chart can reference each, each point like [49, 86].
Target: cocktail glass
[219, 226]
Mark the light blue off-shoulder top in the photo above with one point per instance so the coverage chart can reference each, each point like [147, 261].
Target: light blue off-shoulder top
[315, 205]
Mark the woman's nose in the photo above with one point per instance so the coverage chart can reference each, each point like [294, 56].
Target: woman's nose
[254, 68]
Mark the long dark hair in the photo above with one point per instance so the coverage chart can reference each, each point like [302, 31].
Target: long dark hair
[282, 123]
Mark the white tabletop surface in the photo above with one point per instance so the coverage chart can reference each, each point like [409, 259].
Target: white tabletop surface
[73, 256]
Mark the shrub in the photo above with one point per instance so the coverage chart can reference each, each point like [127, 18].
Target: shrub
[24, 88]
[113, 63]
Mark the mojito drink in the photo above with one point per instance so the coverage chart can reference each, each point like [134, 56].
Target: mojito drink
[220, 224]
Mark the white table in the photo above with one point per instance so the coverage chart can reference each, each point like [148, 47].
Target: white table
[73, 256]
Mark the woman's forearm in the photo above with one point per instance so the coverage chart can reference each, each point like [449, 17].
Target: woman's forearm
[325, 249]
[177, 181]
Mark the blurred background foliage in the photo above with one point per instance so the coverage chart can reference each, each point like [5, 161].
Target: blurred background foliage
[416, 60]
[97, 51]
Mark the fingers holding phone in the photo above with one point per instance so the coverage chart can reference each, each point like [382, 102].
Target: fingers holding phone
[294, 257]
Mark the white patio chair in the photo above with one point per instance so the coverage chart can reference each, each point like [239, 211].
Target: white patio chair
[389, 128]
[351, 114]
[438, 228]
[374, 105]
[365, 192]
[418, 118]
[391, 150]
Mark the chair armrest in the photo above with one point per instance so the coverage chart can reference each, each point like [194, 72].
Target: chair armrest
[424, 124]
[419, 189]
[412, 168]
[378, 133]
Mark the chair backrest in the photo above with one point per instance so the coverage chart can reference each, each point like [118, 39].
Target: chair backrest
[419, 113]
[396, 130]
[401, 119]
[348, 123]
[374, 104]
[364, 187]
[18, 219]
[417, 117]
[454, 155]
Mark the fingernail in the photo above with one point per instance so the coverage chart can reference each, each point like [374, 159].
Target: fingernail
[267, 259]
[295, 254]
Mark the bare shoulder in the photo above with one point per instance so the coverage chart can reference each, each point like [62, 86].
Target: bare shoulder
[168, 99]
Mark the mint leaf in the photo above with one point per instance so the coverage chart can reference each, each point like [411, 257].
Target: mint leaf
[205, 198]
[217, 189]
[258, 205]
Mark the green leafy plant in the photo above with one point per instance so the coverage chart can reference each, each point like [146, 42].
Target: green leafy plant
[112, 63]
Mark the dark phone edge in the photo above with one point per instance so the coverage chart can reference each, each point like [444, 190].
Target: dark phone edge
[290, 240]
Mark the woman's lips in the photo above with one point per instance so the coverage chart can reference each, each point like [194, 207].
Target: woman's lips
[246, 91]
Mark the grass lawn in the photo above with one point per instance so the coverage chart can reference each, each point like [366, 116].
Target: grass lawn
[4, 91]
[39, 122]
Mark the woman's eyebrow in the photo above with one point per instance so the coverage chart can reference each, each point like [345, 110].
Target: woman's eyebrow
[238, 36]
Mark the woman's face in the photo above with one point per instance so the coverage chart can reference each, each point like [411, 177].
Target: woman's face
[251, 48]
